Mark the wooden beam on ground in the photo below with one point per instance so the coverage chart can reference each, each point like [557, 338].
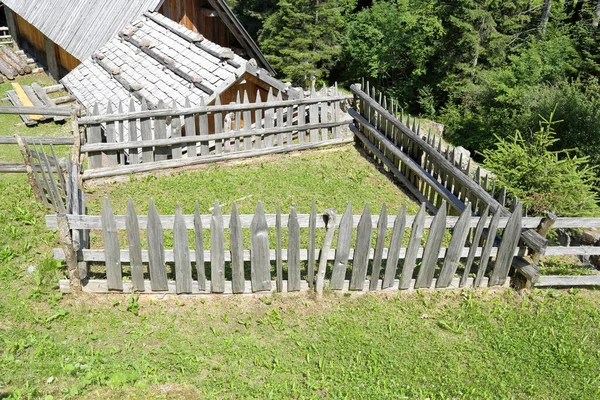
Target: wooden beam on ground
[35, 100]
[7, 70]
[54, 88]
[25, 100]
[23, 112]
[64, 99]
[45, 99]
[20, 61]
[10, 62]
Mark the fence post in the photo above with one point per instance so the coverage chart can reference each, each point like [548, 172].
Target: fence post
[64, 235]
[330, 218]
[30, 178]
[76, 152]
[543, 229]
[527, 271]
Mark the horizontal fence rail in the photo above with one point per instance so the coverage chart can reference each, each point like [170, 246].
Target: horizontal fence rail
[236, 253]
[144, 140]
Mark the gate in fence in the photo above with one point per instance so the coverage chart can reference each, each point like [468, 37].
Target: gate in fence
[49, 177]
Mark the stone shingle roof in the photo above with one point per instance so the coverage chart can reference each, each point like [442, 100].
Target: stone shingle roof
[162, 59]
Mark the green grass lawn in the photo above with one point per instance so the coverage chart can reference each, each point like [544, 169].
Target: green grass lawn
[443, 345]
[455, 344]
[331, 177]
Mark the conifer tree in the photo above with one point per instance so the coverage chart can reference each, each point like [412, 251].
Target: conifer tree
[302, 38]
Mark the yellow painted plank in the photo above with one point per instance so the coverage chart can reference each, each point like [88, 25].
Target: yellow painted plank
[24, 99]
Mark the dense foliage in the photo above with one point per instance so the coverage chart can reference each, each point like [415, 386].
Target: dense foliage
[484, 68]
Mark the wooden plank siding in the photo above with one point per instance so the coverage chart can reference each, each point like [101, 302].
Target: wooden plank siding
[36, 40]
[189, 13]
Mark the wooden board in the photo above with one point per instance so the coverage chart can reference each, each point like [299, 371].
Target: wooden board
[361, 252]
[25, 100]
[217, 248]
[135, 247]
[110, 236]
[237, 251]
[293, 251]
[259, 250]
[156, 250]
[181, 252]
[342, 253]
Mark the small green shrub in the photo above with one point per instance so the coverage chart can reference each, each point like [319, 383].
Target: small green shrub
[544, 180]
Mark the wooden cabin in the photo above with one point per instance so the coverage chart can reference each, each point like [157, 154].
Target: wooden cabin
[63, 36]
[155, 63]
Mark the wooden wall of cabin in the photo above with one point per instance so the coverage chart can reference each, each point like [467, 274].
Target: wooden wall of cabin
[253, 87]
[250, 84]
[66, 60]
[31, 39]
[196, 15]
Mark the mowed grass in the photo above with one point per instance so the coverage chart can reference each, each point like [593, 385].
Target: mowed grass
[446, 344]
[453, 344]
[332, 178]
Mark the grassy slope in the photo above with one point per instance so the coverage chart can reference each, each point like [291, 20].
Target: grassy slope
[332, 178]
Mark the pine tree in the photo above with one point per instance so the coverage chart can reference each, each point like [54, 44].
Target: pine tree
[302, 38]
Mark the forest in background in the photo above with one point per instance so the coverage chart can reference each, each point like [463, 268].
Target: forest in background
[484, 68]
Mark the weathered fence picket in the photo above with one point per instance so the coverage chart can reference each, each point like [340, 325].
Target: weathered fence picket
[217, 249]
[199, 242]
[156, 250]
[237, 252]
[181, 252]
[342, 253]
[135, 247]
[394, 250]
[293, 254]
[259, 251]
[364, 234]
[114, 278]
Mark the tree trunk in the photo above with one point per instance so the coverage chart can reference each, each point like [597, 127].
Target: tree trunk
[545, 15]
[596, 15]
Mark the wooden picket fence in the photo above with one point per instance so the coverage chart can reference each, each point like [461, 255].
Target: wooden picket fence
[132, 140]
[431, 175]
[230, 264]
